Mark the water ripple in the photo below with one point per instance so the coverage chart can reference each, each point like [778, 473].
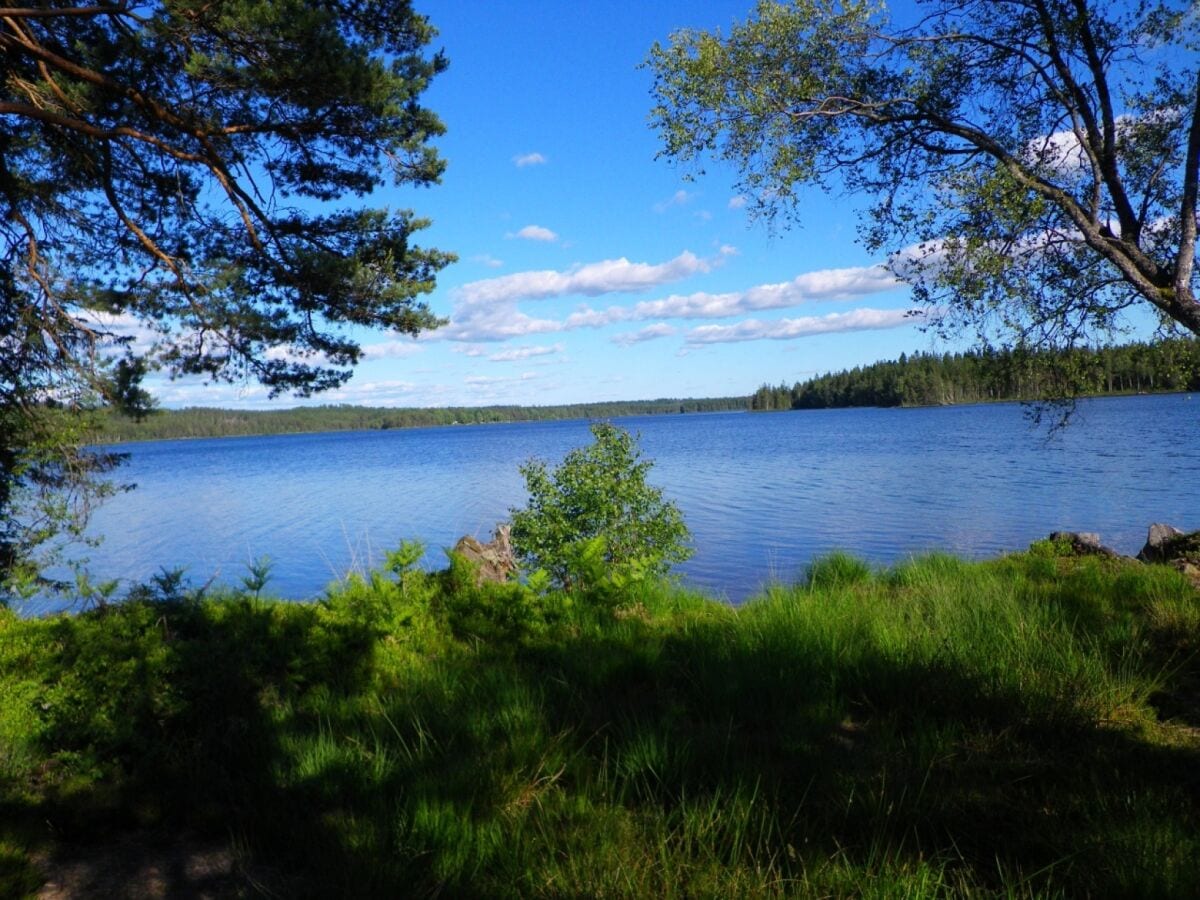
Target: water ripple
[763, 494]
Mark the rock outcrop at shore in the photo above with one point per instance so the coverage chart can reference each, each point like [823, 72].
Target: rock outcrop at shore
[1181, 550]
[1083, 543]
[1165, 545]
[1159, 543]
[494, 561]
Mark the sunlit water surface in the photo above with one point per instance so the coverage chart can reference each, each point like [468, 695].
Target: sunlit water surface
[762, 493]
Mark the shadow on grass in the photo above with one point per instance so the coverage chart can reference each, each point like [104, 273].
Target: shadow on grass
[683, 761]
[156, 720]
[865, 758]
[628, 759]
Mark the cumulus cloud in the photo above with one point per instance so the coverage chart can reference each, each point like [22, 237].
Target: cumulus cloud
[737, 202]
[488, 310]
[679, 198]
[811, 287]
[397, 349]
[492, 322]
[380, 393]
[592, 279]
[1063, 153]
[788, 329]
[193, 391]
[536, 233]
[649, 333]
[486, 259]
[1060, 151]
[530, 159]
[521, 353]
[120, 330]
[292, 354]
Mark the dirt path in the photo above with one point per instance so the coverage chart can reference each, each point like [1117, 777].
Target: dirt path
[143, 866]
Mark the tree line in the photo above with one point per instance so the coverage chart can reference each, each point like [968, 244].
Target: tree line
[980, 376]
[198, 422]
[917, 379]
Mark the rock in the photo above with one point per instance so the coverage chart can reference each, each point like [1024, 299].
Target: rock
[1158, 543]
[1083, 543]
[493, 561]
[1189, 569]
[1170, 546]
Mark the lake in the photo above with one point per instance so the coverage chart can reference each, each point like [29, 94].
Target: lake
[762, 493]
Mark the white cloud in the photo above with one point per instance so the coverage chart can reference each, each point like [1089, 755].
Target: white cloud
[375, 392]
[593, 279]
[1063, 153]
[788, 329]
[492, 322]
[826, 284]
[737, 202]
[530, 159]
[192, 391]
[487, 310]
[649, 333]
[536, 233]
[488, 260]
[490, 381]
[290, 353]
[1060, 151]
[118, 326]
[679, 198]
[522, 353]
[470, 350]
[397, 349]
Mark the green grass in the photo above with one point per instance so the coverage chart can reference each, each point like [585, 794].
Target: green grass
[1021, 727]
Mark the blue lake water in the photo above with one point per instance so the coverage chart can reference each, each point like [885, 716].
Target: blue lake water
[762, 493]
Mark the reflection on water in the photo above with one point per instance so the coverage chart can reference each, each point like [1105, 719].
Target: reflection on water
[762, 493]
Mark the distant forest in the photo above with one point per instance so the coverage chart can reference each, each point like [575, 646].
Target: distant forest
[196, 422]
[930, 379]
[920, 379]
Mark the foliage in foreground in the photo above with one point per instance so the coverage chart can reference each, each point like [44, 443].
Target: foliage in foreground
[148, 148]
[1020, 727]
[1032, 166]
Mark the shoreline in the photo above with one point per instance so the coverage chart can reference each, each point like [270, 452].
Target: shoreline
[103, 441]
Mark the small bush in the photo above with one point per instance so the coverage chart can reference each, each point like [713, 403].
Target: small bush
[594, 521]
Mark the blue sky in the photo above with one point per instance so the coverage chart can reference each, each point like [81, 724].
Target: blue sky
[588, 270]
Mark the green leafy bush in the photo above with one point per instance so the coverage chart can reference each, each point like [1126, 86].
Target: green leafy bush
[594, 520]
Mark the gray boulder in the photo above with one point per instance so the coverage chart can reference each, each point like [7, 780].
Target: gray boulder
[1177, 549]
[493, 561]
[1083, 543]
[1159, 542]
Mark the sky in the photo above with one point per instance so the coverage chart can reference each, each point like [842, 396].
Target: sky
[589, 270]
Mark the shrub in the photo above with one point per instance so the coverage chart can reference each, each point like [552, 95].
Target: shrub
[594, 519]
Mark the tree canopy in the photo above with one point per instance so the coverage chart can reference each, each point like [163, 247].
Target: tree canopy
[183, 186]
[1031, 166]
